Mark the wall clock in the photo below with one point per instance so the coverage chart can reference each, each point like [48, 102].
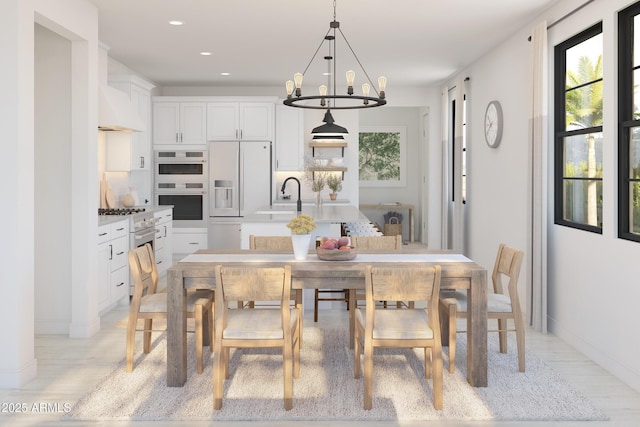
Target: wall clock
[493, 124]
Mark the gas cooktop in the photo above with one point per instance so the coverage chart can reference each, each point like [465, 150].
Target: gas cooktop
[120, 211]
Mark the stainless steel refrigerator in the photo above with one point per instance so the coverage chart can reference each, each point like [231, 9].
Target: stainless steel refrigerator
[240, 182]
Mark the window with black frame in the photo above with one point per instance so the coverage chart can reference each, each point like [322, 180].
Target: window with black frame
[578, 131]
[629, 118]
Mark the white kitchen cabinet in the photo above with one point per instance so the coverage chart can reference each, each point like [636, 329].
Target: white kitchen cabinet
[163, 244]
[189, 240]
[127, 151]
[289, 138]
[179, 123]
[248, 121]
[113, 266]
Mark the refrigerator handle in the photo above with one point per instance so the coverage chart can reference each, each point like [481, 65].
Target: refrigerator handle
[241, 183]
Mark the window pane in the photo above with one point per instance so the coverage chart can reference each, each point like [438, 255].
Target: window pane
[583, 156]
[636, 94]
[584, 106]
[634, 218]
[584, 62]
[636, 40]
[583, 201]
[634, 153]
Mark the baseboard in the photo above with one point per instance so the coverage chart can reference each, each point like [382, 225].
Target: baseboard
[14, 379]
[606, 362]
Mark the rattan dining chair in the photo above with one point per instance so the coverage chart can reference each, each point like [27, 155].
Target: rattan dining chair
[409, 328]
[364, 243]
[260, 327]
[501, 305]
[276, 243]
[149, 305]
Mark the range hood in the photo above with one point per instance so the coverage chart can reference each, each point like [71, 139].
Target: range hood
[116, 112]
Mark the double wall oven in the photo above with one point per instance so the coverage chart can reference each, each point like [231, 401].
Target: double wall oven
[181, 180]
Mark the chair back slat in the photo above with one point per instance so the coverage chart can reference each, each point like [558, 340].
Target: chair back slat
[508, 263]
[270, 242]
[377, 242]
[254, 284]
[404, 283]
[143, 270]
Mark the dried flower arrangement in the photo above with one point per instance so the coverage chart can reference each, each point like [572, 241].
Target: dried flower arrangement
[302, 224]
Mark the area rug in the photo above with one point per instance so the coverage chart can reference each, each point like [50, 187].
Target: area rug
[326, 389]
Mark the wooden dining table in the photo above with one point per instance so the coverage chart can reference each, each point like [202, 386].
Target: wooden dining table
[197, 271]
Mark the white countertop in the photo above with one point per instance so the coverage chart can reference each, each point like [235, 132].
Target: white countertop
[324, 214]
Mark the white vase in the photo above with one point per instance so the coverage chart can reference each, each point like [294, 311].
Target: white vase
[300, 244]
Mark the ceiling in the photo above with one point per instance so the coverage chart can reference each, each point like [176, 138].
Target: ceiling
[264, 42]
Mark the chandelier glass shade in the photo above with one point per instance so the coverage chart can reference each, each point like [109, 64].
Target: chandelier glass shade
[327, 99]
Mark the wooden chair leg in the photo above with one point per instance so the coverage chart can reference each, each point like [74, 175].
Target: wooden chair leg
[288, 376]
[199, 335]
[211, 327]
[131, 340]
[368, 374]
[296, 358]
[436, 355]
[520, 343]
[453, 315]
[502, 335]
[218, 374]
[315, 306]
[146, 335]
[357, 349]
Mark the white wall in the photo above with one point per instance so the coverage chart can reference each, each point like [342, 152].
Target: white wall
[592, 278]
[588, 271]
[52, 142]
[74, 20]
[409, 118]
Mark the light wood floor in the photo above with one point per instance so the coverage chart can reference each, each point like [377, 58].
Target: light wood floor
[69, 368]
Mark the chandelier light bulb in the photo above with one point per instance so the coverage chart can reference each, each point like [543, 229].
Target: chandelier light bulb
[297, 78]
[289, 85]
[382, 85]
[323, 93]
[365, 91]
[351, 77]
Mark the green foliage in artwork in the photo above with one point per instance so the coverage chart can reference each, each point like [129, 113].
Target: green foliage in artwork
[379, 156]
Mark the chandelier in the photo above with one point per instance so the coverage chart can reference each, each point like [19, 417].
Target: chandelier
[331, 100]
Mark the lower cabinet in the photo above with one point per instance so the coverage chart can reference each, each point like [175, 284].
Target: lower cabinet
[189, 240]
[224, 234]
[113, 268]
[163, 244]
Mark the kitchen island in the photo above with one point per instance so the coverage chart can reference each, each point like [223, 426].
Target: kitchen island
[273, 220]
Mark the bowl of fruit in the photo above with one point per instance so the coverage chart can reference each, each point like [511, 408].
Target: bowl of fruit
[332, 249]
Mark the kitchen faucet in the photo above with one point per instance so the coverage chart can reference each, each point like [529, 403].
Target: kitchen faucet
[284, 184]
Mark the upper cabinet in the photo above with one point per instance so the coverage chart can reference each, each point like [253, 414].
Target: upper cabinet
[289, 138]
[248, 121]
[127, 151]
[179, 123]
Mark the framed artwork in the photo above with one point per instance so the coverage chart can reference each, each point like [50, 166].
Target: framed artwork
[382, 152]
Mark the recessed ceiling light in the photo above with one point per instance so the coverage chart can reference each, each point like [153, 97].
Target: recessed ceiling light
[176, 22]
[225, 74]
[205, 53]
